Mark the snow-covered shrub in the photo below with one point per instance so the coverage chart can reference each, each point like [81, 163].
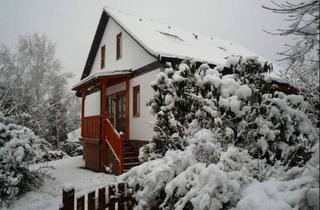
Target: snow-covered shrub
[297, 188]
[71, 148]
[19, 148]
[238, 107]
[202, 176]
[171, 107]
[236, 144]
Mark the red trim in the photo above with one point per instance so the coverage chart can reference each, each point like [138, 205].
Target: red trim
[103, 56]
[119, 46]
[127, 123]
[103, 151]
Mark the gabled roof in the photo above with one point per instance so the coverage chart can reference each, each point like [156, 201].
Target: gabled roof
[163, 40]
[166, 41]
[95, 44]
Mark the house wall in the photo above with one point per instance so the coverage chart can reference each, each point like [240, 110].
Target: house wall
[141, 127]
[92, 104]
[133, 55]
[116, 88]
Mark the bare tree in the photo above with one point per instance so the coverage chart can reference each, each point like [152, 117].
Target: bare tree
[303, 55]
[33, 88]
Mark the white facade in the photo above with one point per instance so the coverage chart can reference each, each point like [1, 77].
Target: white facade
[116, 88]
[141, 127]
[133, 55]
[92, 104]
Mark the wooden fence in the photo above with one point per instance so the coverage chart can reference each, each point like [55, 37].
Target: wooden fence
[111, 198]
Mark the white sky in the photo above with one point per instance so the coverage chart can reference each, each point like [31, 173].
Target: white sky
[72, 23]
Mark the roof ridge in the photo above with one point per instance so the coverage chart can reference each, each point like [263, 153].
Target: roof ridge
[152, 19]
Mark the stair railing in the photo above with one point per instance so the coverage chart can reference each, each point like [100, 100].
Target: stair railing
[115, 142]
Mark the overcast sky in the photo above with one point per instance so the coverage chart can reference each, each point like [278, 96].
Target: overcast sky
[72, 23]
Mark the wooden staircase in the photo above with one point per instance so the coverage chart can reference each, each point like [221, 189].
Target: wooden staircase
[130, 156]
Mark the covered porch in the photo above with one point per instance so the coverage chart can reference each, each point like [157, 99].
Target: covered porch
[105, 119]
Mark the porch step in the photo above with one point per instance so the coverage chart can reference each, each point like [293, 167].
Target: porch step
[130, 165]
[131, 159]
[130, 156]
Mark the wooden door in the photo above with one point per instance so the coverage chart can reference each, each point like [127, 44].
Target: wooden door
[116, 107]
[111, 108]
[121, 112]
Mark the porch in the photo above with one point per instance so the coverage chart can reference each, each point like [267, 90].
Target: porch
[105, 121]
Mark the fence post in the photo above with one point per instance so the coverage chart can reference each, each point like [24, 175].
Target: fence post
[121, 196]
[102, 198]
[80, 203]
[91, 201]
[112, 197]
[68, 198]
[131, 200]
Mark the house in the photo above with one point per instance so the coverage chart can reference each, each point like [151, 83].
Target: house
[126, 55]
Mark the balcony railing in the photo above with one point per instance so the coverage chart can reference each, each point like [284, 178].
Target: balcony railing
[115, 142]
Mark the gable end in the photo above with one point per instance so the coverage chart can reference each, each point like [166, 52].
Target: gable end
[95, 44]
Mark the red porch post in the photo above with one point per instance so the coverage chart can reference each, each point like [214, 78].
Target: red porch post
[83, 98]
[103, 151]
[127, 123]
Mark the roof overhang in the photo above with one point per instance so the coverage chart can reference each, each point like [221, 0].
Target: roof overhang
[104, 74]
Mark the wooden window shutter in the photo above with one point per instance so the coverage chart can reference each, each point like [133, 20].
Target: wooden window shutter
[136, 101]
[103, 56]
[119, 43]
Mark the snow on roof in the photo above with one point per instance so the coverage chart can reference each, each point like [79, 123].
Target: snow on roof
[275, 75]
[165, 40]
[102, 73]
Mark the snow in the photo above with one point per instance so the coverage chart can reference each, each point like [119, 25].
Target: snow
[74, 135]
[243, 92]
[100, 74]
[66, 173]
[163, 40]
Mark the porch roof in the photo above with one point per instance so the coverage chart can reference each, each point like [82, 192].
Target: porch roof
[102, 73]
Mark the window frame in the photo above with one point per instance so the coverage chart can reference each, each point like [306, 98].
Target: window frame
[103, 57]
[119, 46]
[135, 109]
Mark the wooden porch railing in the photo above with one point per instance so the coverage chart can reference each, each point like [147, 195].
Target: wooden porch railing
[90, 127]
[115, 141]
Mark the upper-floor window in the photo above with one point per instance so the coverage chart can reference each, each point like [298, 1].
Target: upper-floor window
[136, 101]
[103, 56]
[119, 45]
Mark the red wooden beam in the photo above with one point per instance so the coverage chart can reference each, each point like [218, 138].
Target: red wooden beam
[103, 152]
[127, 123]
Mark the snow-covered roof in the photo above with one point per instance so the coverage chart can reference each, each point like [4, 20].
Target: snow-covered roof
[102, 73]
[165, 40]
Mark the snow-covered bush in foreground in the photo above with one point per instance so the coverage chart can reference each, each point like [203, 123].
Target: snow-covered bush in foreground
[238, 146]
[19, 148]
[201, 177]
[206, 177]
[297, 188]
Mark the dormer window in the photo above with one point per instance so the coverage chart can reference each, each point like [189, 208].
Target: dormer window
[103, 56]
[119, 45]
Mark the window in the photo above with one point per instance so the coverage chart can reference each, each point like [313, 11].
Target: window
[103, 55]
[119, 45]
[136, 101]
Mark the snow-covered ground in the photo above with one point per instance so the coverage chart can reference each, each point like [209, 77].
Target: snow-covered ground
[66, 171]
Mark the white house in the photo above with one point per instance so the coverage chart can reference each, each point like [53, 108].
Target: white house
[126, 55]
